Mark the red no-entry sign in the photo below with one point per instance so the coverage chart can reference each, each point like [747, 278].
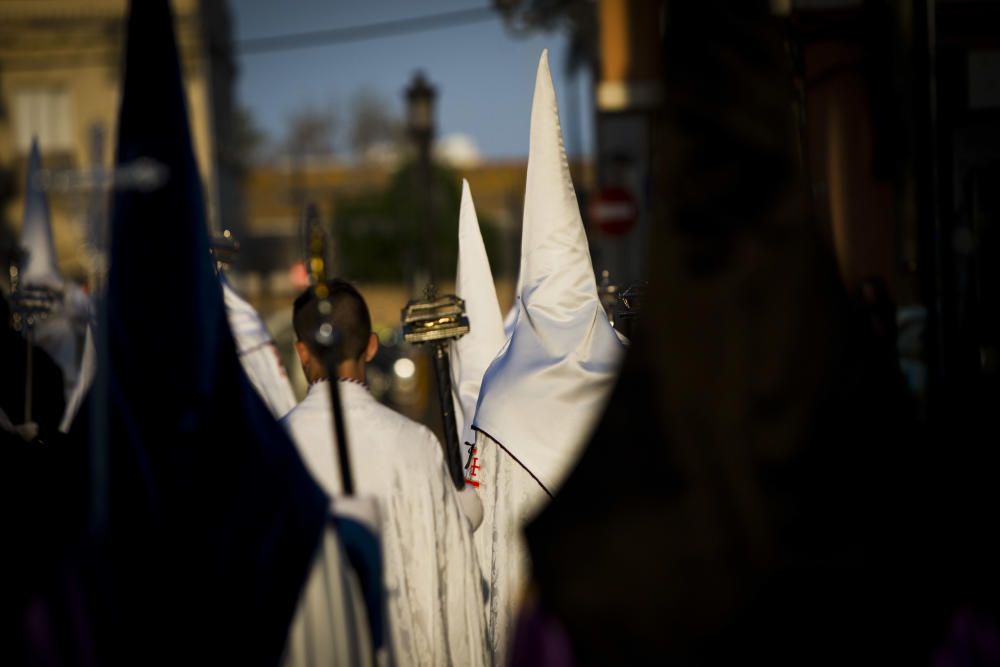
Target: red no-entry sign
[613, 210]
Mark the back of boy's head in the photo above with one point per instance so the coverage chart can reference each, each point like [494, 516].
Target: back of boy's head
[349, 316]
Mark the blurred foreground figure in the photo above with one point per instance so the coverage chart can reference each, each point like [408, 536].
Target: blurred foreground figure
[432, 578]
[545, 390]
[39, 604]
[204, 525]
[748, 497]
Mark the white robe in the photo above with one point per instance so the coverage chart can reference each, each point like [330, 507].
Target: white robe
[88, 370]
[330, 626]
[258, 355]
[432, 577]
[57, 335]
[511, 497]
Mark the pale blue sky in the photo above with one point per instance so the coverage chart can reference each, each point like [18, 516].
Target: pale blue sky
[484, 75]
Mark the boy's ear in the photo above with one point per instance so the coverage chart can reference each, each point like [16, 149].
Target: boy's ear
[372, 347]
[303, 351]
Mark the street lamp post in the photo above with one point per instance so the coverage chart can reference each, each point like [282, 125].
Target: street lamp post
[420, 98]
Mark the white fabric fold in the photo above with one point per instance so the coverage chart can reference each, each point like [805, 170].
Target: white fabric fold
[330, 626]
[257, 353]
[88, 369]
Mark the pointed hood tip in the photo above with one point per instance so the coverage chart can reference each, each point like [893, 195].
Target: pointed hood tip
[466, 199]
[543, 76]
[551, 207]
[468, 220]
[41, 266]
[34, 164]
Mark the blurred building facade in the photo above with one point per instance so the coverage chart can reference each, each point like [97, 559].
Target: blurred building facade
[898, 112]
[60, 74]
[272, 242]
[627, 94]
[900, 118]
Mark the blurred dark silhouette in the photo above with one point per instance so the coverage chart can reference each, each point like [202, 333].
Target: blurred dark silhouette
[203, 520]
[42, 620]
[880, 311]
[754, 491]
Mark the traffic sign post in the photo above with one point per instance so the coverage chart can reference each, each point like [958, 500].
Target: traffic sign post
[613, 210]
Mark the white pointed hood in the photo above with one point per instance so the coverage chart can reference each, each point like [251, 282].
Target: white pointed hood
[471, 354]
[542, 396]
[40, 267]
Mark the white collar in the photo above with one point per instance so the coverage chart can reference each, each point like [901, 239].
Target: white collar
[342, 381]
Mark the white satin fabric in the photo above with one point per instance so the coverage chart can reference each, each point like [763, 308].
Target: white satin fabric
[542, 395]
[257, 353]
[432, 577]
[510, 319]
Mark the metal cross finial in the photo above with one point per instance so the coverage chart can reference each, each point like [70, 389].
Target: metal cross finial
[430, 292]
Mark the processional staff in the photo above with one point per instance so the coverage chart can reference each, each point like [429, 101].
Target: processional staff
[328, 340]
[436, 321]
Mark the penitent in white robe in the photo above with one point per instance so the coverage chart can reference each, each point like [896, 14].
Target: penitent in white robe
[542, 394]
[432, 577]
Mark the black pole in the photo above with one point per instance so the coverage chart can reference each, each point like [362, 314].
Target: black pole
[452, 446]
[29, 372]
[339, 432]
[328, 341]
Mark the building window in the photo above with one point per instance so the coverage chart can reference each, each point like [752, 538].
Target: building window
[45, 113]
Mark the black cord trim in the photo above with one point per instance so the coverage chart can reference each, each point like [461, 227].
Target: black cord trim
[547, 492]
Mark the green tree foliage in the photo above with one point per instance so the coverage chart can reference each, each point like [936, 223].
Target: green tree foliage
[577, 19]
[249, 141]
[383, 235]
[311, 131]
[372, 122]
